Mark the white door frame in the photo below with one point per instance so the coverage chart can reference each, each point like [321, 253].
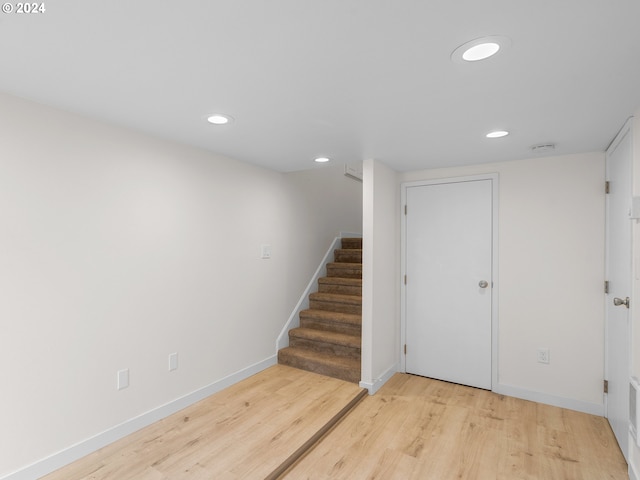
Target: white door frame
[494, 177]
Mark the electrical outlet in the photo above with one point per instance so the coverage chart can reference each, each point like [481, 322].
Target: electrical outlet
[123, 379]
[543, 355]
[173, 362]
[265, 251]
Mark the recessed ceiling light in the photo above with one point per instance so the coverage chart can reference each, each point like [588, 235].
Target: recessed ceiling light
[480, 48]
[497, 134]
[322, 160]
[480, 51]
[219, 119]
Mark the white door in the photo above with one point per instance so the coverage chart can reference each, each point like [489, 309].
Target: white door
[448, 235]
[619, 277]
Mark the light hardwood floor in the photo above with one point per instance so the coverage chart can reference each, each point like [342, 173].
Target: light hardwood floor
[245, 431]
[413, 428]
[418, 428]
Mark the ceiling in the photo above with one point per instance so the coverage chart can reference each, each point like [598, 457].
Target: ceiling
[347, 79]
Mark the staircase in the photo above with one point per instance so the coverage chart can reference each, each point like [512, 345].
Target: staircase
[330, 333]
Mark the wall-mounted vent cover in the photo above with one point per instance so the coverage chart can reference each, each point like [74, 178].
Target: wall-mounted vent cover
[354, 170]
[634, 408]
[543, 147]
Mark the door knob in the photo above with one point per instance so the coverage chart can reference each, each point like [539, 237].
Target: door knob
[618, 301]
[483, 284]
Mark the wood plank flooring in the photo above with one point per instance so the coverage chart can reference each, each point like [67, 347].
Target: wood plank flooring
[418, 428]
[243, 432]
[413, 428]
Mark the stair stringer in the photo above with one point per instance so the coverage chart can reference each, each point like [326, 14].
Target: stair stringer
[303, 303]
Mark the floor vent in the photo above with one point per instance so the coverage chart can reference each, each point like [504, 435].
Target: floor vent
[634, 407]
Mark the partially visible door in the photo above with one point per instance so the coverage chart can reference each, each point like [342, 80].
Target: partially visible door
[618, 260]
[448, 234]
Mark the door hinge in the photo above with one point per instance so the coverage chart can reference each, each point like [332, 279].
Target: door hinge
[405, 209]
[405, 348]
[607, 187]
[606, 286]
[405, 279]
[606, 386]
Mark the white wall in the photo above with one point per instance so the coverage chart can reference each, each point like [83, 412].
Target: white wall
[117, 249]
[380, 293]
[325, 203]
[551, 273]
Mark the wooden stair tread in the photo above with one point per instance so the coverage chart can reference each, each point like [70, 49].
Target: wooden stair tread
[350, 318]
[341, 269]
[336, 298]
[327, 336]
[347, 255]
[351, 282]
[341, 285]
[351, 242]
[319, 357]
[344, 265]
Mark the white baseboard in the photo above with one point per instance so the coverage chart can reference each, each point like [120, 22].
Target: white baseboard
[556, 401]
[377, 383]
[90, 445]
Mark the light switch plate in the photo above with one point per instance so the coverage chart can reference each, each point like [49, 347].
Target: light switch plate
[173, 362]
[123, 379]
